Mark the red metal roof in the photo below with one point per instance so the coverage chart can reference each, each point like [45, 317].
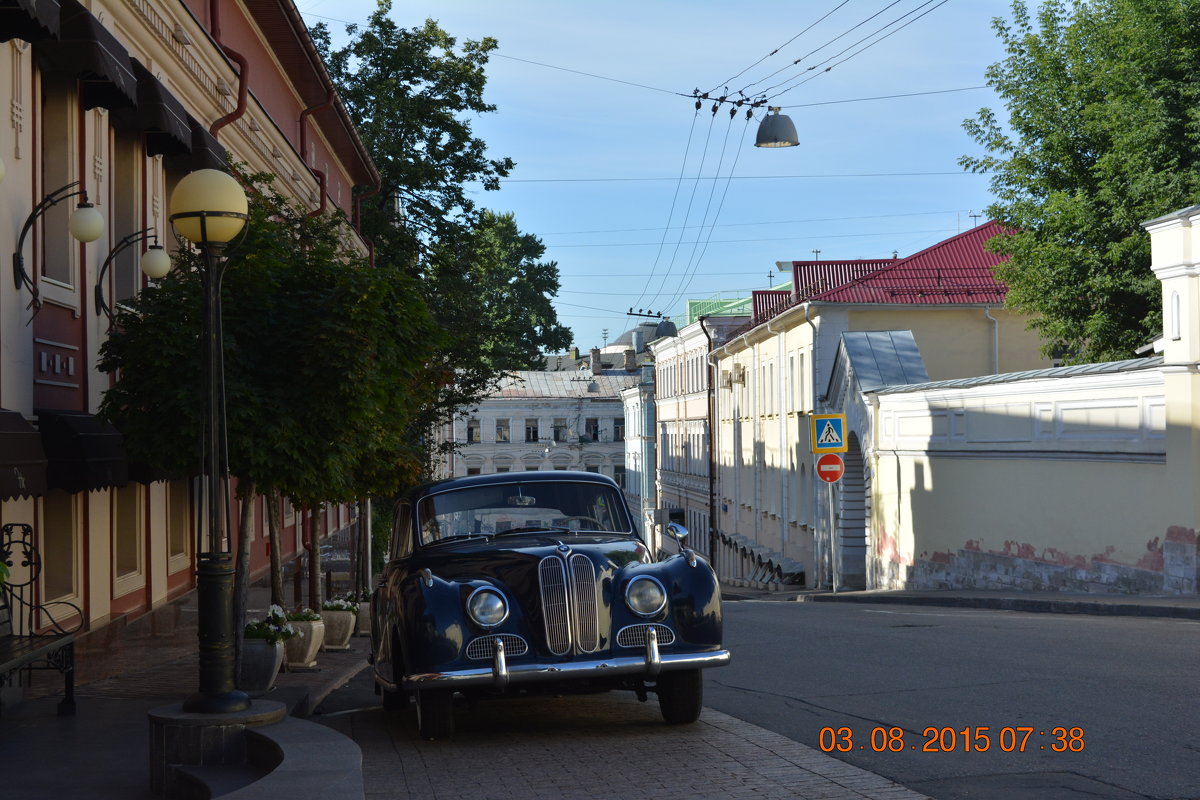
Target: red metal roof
[958, 270]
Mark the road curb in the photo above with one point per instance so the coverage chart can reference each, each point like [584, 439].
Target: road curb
[1036, 605]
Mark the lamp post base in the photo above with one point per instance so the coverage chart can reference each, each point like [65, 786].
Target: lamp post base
[214, 596]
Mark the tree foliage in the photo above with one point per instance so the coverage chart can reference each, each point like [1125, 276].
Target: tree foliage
[1103, 101]
[324, 361]
[412, 92]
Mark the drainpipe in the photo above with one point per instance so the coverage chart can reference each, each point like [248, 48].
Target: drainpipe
[326, 103]
[712, 449]
[214, 18]
[987, 312]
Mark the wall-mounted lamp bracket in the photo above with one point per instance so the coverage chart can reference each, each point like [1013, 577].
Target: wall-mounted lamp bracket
[103, 307]
[20, 276]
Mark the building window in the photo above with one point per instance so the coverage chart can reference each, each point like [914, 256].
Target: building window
[473, 431]
[501, 430]
[501, 469]
[619, 429]
[472, 470]
[531, 469]
[560, 429]
[593, 468]
[531, 430]
[59, 556]
[127, 539]
[619, 475]
[178, 525]
[59, 123]
[591, 429]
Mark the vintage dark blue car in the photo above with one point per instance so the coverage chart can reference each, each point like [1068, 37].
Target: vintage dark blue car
[537, 582]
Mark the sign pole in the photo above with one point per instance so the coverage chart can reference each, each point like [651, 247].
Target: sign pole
[833, 550]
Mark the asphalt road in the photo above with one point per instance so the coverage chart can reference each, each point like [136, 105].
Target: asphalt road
[918, 683]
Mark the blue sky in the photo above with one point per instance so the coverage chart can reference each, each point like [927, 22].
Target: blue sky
[870, 177]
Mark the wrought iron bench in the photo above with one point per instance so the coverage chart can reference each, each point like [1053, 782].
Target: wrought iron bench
[33, 635]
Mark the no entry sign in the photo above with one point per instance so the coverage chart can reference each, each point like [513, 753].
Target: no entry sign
[830, 467]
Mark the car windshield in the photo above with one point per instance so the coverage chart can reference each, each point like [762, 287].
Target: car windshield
[514, 507]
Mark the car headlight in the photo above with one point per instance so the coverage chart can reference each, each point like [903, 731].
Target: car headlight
[645, 596]
[487, 607]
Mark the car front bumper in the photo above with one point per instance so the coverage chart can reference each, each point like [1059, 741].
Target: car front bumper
[649, 664]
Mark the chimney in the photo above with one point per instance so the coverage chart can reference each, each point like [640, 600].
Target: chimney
[597, 367]
[630, 360]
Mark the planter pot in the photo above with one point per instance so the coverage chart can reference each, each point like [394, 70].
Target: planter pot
[260, 664]
[302, 649]
[339, 627]
[362, 624]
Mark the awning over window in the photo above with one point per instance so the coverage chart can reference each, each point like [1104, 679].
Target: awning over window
[158, 114]
[22, 459]
[31, 20]
[84, 452]
[207, 152]
[87, 50]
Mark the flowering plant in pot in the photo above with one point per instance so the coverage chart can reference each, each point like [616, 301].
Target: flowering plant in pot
[339, 614]
[302, 650]
[263, 650]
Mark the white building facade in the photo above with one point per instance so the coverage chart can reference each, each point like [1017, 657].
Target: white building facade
[544, 421]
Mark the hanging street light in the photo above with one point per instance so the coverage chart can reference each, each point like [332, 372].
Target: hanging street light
[776, 130]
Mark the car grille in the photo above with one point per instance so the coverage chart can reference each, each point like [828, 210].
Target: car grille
[635, 635]
[485, 646]
[569, 604]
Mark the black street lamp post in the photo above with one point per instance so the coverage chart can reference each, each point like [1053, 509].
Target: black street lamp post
[209, 208]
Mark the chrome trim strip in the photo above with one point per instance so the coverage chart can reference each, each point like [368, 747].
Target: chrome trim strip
[653, 660]
[529, 673]
[500, 667]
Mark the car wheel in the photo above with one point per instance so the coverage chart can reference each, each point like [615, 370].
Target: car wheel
[435, 713]
[680, 696]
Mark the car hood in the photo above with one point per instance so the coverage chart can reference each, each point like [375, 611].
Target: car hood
[514, 558]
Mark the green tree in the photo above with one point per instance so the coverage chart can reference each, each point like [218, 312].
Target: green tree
[324, 360]
[1102, 135]
[503, 293]
[411, 92]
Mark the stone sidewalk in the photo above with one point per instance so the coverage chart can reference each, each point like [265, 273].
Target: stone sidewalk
[593, 747]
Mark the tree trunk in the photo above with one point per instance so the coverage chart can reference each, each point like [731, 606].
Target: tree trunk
[241, 576]
[272, 501]
[314, 560]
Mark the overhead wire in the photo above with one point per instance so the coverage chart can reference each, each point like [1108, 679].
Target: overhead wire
[695, 263]
[707, 205]
[817, 50]
[849, 47]
[671, 213]
[729, 80]
[863, 49]
[687, 211]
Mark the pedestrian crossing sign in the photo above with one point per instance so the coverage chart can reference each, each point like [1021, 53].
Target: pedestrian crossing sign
[829, 433]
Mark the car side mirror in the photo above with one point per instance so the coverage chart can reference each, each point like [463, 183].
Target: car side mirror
[677, 532]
